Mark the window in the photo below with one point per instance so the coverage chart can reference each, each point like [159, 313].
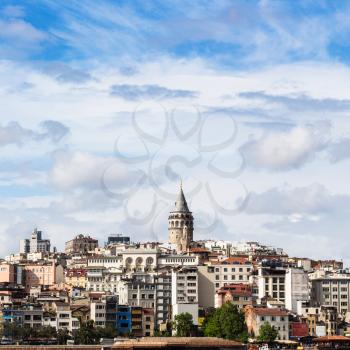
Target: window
[225, 269]
[225, 277]
[233, 277]
[217, 277]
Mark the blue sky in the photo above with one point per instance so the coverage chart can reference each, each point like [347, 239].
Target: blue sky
[106, 105]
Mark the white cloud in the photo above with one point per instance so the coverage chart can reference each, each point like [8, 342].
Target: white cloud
[14, 133]
[286, 150]
[296, 203]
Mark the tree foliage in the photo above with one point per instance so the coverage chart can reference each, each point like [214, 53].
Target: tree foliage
[267, 333]
[19, 332]
[183, 325]
[226, 322]
[88, 334]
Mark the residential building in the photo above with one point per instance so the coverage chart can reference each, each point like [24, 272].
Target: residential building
[35, 244]
[257, 316]
[296, 288]
[271, 281]
[42, 274]
[184, 292]
[239, 294]
[232, 270]
[118, 239]
[11, 273]
[76, 278]
[81, 244]
[332, 290]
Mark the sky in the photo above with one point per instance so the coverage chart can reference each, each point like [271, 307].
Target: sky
[106, 106]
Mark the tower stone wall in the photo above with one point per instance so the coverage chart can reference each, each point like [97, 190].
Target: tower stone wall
[180, 224]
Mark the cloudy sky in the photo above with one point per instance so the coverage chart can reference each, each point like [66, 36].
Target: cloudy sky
[106, 105]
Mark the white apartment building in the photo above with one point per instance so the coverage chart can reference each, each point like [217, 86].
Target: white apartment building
[101, 279]
[272, 282]
[139, 260]
[109, 262]
[232, 270]
[296, 288]
[184, 291]
[98, 313]
[178, 260]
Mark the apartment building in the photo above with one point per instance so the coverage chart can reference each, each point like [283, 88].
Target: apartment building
[139, 260]
[239, 294]
[76, 278]
[332, 290]
[98, 313]
[35, 244]
[80, 245]
[232, 270]
[11, 273]
[184, 290]
[257, 316]
[43, 273]
[296, 288]
[271, 282]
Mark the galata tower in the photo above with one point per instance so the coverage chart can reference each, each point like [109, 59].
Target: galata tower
[180, 225]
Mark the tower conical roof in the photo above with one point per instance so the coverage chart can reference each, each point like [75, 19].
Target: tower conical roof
[181, 204]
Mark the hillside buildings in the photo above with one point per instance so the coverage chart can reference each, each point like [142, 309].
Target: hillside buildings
[138, 288]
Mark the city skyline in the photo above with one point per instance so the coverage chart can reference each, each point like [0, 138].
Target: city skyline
[106, 106]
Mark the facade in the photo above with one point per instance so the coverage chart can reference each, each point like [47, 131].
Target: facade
[332, 290]
[118, 239]
[232, 270]
[206, 289]
[35, 244]
[271, 282]
[148, 322]
[184, 292]
[257, 316]
[296, 288]
[139, 260]
[98, 313]
[129, 320]
[42, 274]
[75, 278]
[11, 273]
[237, 294]
[163, 299]
[180, 224]
[81, 244]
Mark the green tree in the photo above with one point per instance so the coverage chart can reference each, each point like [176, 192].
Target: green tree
[183, 325]
[62, 336]
[226, 322]
[267, 333]
[86, 334]
[46, 332]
